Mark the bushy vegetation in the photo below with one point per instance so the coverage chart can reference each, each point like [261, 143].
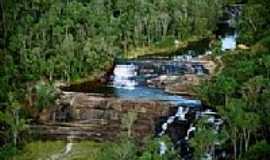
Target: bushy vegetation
[43, 41]
[125, 149]
[240, 93]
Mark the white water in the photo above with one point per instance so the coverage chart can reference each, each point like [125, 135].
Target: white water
[180, 114]
[199, 70]
[228, 42]
[163, 148]
[123, 76]
[189, 131]
[183, 58]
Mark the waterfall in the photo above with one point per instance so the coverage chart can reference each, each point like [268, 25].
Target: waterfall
[124, 76]
[229, 42]
[180, 114]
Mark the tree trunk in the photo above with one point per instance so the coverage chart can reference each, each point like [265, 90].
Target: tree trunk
[235, 144]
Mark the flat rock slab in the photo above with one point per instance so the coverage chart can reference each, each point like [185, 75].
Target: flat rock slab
[88, 116]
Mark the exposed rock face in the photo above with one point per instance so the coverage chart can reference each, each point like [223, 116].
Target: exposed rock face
[86, 116]
[180, 85]
[184, 84]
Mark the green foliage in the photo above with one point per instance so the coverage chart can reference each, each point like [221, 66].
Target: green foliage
[7, 151]
[123, 150]
[39, 150]
[68, 40]
[239, 94]
[49, 40]
[89, 150]
[128, 121]
[244, 82]
[216, 48]
[206, 139]
[260, 150]
[152, 150]
[254, 21]
[45, 95]
[11, 118]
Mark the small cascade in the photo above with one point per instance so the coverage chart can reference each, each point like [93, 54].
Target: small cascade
[180, 114]
[229, 42]
[184, 58]
[229, 38]
[212, 118]
[163, 148]
[124, 75]
[189, 131]
[199, 70]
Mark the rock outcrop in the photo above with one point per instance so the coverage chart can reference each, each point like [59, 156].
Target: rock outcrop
[88, 116]
[182, 84]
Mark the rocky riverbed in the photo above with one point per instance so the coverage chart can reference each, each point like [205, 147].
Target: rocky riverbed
[88, 116]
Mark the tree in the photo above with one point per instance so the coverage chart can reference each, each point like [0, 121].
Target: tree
[206, 139]
[128, 121]
[260, 150]
[226, 86]
[123, 150]
[152, 148]
[11, 117]
[241, 124]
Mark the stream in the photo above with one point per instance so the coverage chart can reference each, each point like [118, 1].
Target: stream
[132, 79]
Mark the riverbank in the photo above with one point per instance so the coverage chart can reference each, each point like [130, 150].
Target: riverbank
[173, 48]
[96, 78]
[165, 48]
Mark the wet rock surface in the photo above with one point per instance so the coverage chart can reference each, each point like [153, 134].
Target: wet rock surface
[86, 116]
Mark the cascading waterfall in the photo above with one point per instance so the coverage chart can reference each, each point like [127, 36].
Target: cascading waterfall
[229, 39]
[181, 115]
[212, 118]
[124, 76]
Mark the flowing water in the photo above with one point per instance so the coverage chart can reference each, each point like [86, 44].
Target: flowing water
[131, 80]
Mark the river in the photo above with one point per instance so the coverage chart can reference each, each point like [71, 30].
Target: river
[132, 79]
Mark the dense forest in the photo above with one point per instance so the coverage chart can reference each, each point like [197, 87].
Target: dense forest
[43, 42]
